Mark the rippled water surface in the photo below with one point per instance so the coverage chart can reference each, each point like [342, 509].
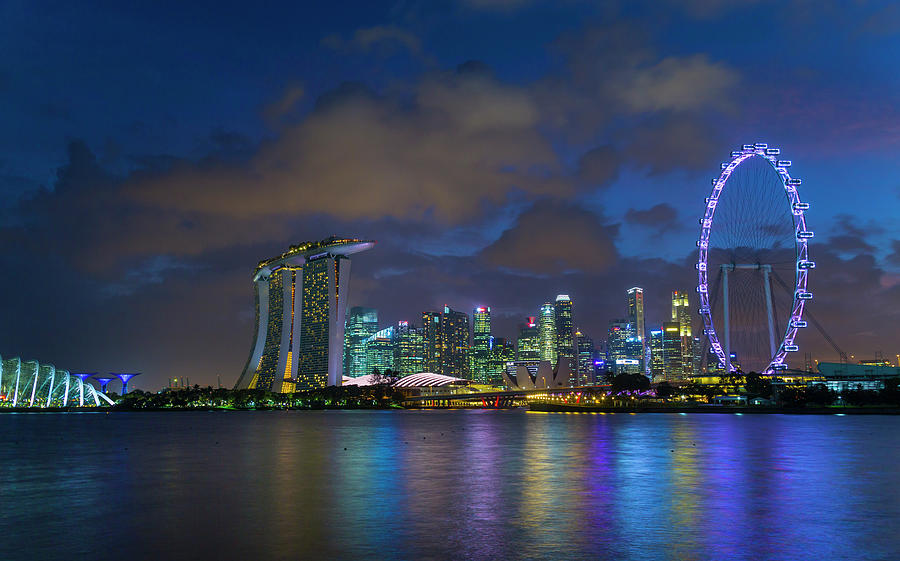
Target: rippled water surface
[448, 485]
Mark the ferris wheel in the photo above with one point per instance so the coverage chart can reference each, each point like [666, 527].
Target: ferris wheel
[753, 263]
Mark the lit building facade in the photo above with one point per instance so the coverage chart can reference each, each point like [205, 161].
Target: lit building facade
[362, 323]
[586, 354]
[380, 351]
[565, 334]
[446, 341]
[681, 313]
[431, 340]
[455, 344]
[673, 368]
[635, 298]
[502, 352]
[622, 346]
[410, 350]
[528, 345]
[547, 328]
[481, 344]
[657, 360]
[301, 299]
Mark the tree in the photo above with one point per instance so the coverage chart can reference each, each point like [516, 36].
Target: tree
[756, 385]
[664, 390]
[630, 382]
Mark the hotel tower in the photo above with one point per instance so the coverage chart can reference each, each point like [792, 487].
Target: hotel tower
[301, 300]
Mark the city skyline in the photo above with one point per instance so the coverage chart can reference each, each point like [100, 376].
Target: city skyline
[501, 153]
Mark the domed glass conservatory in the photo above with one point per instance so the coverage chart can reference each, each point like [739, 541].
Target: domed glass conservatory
[31, 384]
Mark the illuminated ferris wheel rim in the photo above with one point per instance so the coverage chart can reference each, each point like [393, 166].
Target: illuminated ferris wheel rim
[802, 237]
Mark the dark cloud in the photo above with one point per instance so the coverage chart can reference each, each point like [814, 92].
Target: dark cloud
[553, 237]
[894, 256]
[599, 166]
[661, 217]
[460, 141]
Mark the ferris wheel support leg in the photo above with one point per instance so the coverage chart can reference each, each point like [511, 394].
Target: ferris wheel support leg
[767, 269]
[727, 365]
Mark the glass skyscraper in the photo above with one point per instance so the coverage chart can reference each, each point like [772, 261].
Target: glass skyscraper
[547, 328]
[528, 345]
[481, 344]
[636, 319]
[362, 323]
[681, 313]
[446, 341]
[410, 350]
[671, 350]
[380, 351]
[565, 334]
[586, 352]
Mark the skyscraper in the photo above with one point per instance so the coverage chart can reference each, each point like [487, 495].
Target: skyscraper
[657, 358]
[446, 342]
[548, 332]
[361, 324]
[621, 346]
[671, 351]
[586, 352]
[481, 344]
[455, 343]
[301, 298]
[380, 351]
[528, 345]
[636, 318]
[565, 334]
[431, 341]
[502, 352]
[681, 313]
[410, 350]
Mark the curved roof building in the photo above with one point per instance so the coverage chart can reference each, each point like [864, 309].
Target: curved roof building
[427, 380]
[301, 300]
[31, 384]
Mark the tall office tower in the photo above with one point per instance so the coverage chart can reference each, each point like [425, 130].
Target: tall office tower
[681, 312]
[481, 344]
[380, 351]
[455, 343]
[431, 340]
[548, 333]
[620, 345]
[586, 352]
[301, 299]
[502, 352]
[671, 351]
[565, 335]
[528, 346]
[697, 354]
[410, 350]
[636, 318]
[362, 323]
[657, 360]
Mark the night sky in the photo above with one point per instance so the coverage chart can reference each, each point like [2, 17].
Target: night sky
[500, 151]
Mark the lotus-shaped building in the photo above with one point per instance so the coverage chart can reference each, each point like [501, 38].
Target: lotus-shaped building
[31, 384]
[537, 375]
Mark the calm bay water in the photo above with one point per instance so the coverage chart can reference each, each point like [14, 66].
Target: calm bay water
[448, 485]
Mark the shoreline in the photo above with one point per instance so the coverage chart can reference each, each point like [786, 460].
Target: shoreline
[716, 409]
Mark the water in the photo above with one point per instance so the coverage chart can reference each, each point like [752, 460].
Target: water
[448, 485]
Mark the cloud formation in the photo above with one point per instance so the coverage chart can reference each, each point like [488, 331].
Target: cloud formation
[553, 237]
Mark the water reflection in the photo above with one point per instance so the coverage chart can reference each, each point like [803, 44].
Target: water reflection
[448, 485]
